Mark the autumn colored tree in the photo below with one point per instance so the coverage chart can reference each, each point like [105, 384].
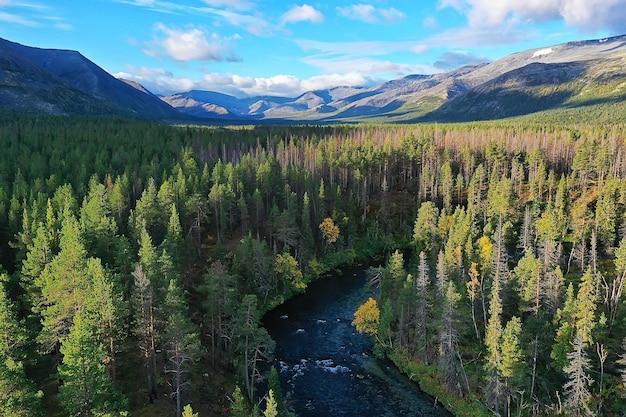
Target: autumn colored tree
[188, 411]
[367, 318]
[330, 232]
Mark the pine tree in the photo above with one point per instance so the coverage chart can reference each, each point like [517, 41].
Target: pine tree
[473, 286]
[493, 334]
[98, 227]
[307, 240]
[18, 395]
[188, 411]
[173, 242]
[393, 278]
[254, 344]
[449, 366]
[529, 281]
[86, 391]
[64, 285]
[566, 318]
[239, 407]
[274, 386]
[423, 311]
[616, 287]
[576, 389]
[219, 294]
[425, 228]
[38, 254]
[109, 311]
[510, 366]
[182, 342]
[144, 326]
[271, 408]
[586, 305]
[622, 361]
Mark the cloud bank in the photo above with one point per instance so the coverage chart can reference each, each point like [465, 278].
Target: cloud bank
[190, 44]
[165, 83]
[302, 13]
[584, 15]
[370, 14]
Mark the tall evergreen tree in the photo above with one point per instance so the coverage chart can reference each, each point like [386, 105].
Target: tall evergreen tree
[18, 395]
[448, 364]
[144, 326]
[510, 366]
[64, 285]
[576, 389]
[182, 343]
[271, 408]
[86, 391]
[254, 343]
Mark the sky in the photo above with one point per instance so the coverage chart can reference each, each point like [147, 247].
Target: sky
[264, 47]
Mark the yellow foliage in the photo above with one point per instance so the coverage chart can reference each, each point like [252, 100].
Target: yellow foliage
[329, 230]
[287, 266]
[486, 247]
[367, 318]
[473, 284]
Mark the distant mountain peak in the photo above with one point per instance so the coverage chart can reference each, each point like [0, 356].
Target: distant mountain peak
[65, 82]
[553, 76]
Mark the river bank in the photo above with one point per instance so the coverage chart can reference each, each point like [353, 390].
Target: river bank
[327, 368]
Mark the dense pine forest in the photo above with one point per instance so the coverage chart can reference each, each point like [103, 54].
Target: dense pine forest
[137, 260]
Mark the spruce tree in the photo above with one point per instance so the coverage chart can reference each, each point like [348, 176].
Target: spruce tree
[239, 407]
[182, 343]
[271, 408]
[576, 389]
[18, 395]
[86, 391]
[64, 285]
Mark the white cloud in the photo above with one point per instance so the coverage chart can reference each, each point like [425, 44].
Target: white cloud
[254, 24]
[350, 79]
[366, 66]
[164, 82]
[431, 23]
[16, 19]
[231, 4]
[585, 15]
[63, 26]
[31, 15]
[357, 57]
[301, 14]
[191, 44]
[455, 59]
[370, 14]
[480, 37]
[362, 48]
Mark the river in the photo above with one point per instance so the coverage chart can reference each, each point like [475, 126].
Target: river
[327, 368]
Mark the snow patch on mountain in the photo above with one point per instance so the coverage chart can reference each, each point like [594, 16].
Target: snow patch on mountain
[542, 52]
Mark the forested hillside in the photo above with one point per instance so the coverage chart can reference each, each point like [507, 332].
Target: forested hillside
[138, 259]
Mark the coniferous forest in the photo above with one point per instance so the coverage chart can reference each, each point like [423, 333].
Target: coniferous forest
[137, 260]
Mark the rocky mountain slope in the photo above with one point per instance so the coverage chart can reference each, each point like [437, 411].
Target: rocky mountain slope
[565, 75]
[571, 77]
[65, 82]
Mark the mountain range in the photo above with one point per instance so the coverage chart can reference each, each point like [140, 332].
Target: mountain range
[65, 82]
[572, 75]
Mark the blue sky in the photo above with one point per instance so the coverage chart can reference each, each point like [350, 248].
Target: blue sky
[257, 47]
